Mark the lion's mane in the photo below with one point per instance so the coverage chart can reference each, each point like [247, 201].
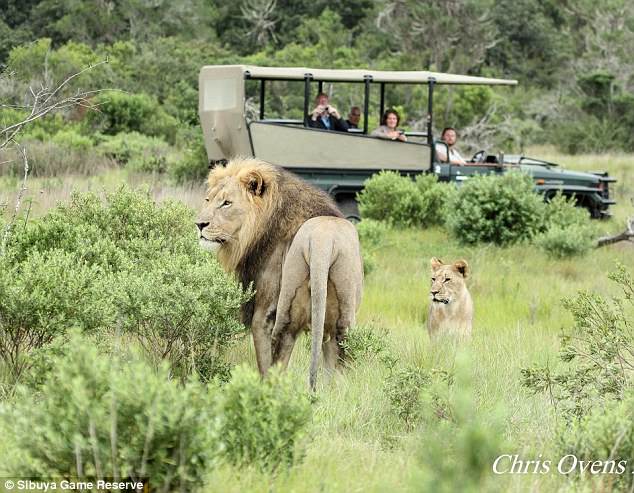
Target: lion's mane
[283, 203]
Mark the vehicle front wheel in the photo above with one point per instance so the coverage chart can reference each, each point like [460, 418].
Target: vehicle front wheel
[350, 209]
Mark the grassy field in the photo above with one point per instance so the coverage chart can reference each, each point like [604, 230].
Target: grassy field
[355, 442]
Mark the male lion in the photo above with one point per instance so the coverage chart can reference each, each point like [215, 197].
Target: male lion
[451, 307]
[274, 230]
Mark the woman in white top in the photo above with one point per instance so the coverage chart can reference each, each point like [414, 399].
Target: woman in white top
[449, 137]
[388, 128]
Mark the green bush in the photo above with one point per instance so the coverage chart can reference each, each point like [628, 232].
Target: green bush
[401, 201]
[123, 112]
[372, 235]
[568, 229]
[39, 301]
[262, 421]
[139, 264]
[596, 355]
[409, 387]
[606, 434]
[137, 152]
[457, 454]
[168, 307]
[363, 343]
[109, 416]
[193, 166]
[72, 139]
[497, 209]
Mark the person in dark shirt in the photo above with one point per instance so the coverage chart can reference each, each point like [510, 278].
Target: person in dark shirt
[325, 116]
[354, 117]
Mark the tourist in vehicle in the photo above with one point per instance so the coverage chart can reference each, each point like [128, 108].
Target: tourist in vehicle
[449, 136]
[354, 117]
[326, 116]
[389, 127]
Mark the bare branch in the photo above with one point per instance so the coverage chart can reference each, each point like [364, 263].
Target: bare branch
[627, 235]
[18, 202]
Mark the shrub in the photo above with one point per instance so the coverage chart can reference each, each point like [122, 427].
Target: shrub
[124, 112]
[400, 201]
[166, 307]
[406, 389]
[497, 209]
[457, 454]
[39, 301]
[73, 140]
[605, 434]
[137, 152]
[193, 166]
[99, 416]
[261, 421]
[597, 355]
[140, 265]
[434, 198]
[372, 235]
[364, 343]
[568, 230]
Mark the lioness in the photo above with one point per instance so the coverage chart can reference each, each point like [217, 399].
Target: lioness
[451, 307]
[274, 230]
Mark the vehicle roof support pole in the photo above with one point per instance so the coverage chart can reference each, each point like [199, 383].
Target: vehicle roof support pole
[382, 105]
[321, 87]
[430, 107]
[262, 99]
[307, 78]
[366, 102]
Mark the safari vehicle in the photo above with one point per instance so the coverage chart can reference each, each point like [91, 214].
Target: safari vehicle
[340, 162]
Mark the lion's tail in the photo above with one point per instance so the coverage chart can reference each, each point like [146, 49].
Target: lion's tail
[319, 270]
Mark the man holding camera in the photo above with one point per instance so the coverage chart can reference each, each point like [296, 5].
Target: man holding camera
[325, 116]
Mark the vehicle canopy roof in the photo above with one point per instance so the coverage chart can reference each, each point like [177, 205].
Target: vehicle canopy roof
[360, 75]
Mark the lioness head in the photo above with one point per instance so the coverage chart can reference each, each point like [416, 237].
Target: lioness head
[447, 280]
[237, 201]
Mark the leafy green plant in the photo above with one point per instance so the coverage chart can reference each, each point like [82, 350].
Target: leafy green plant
[193, 165]
[73, 139]
[400, 201]
[604, 434]
[363, 343]
[124, 112]
[39, 301]
[262, 421]
[106, 415]
[597, 355]
[496, 209]
[372, 235]
[137, 152]
[457, 453]
[168, 308]
[409, 387]
[125, 263]
[568, 229]
[52, 159]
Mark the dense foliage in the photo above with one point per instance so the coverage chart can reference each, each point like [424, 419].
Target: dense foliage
[123, 264]
[572, 62]
[497, 209]
[567, 229]
[262, 421]
[388, 196]
[100, 416]
[100, 411]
